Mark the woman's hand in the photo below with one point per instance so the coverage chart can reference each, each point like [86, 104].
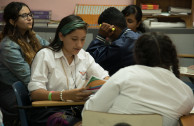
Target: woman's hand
[76, 94]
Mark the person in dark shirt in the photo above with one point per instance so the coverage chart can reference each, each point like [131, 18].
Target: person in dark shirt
[113, 46]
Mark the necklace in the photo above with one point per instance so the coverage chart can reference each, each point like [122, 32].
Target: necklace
[74, 79]
[65, 73]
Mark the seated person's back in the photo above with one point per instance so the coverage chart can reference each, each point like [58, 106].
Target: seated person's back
[151, 86]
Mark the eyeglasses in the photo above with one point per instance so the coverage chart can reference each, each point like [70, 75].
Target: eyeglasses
[25, 15]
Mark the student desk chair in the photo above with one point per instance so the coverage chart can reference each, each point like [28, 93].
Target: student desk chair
[24, 102]
[187, 120]
[92, 118]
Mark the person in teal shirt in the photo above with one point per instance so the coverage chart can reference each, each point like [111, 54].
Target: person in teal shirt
[18, 46]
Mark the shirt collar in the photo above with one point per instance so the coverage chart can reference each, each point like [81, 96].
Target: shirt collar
[81, 55]
[59, 54]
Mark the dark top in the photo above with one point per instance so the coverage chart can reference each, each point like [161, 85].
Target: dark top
[116, 55]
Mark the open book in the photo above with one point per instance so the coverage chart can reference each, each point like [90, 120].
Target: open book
[94, 83]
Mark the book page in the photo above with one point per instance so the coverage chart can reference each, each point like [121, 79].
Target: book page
[94, 84]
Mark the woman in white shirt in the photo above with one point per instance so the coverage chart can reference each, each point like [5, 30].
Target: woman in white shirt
[59, 72]
[148, 87]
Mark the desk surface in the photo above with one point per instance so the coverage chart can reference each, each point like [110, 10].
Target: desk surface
[55, 103]
[187, 120]
[186, 55]
[183, 72]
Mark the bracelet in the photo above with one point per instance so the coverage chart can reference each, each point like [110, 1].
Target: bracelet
[61, 94]
[50, 95]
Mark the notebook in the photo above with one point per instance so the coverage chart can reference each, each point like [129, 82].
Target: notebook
[94, 84]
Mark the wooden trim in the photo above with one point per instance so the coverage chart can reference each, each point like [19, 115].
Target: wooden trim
[185, 55]
[187, 120]
[55, 103]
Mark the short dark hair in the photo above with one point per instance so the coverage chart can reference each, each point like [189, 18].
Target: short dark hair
[112, 16]
[156, 50]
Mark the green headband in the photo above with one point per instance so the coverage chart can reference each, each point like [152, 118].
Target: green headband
[72, 26]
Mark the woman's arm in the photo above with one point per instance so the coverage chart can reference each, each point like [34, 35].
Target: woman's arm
[74, 94]
[42, 41]
[12, 58]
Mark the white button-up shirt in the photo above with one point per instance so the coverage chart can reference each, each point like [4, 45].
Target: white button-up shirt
[51, 71]
[144, 90]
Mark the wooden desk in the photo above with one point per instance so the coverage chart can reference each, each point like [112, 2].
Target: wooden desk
[183, 72]
[185, 56]
[55, 103]
[187, 120]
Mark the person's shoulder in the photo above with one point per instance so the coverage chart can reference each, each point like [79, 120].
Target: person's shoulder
[131, 34]
[45, 51]
[83, 54]
[45, 55]
[43, 42]
[132, 70]
[7, 42]
[38, 36]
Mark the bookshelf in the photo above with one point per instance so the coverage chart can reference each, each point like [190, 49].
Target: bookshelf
[165, 4]
[91, 13]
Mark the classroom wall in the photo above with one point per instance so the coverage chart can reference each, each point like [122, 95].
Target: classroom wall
[62, 8]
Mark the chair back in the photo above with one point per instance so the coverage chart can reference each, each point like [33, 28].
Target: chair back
[187, 120]
[92, 118]
[23, 100]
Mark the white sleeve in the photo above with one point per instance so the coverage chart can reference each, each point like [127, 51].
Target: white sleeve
[95, 69]
[105, 96]
[39, 72]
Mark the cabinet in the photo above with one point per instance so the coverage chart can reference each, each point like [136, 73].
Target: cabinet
[165, 4]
